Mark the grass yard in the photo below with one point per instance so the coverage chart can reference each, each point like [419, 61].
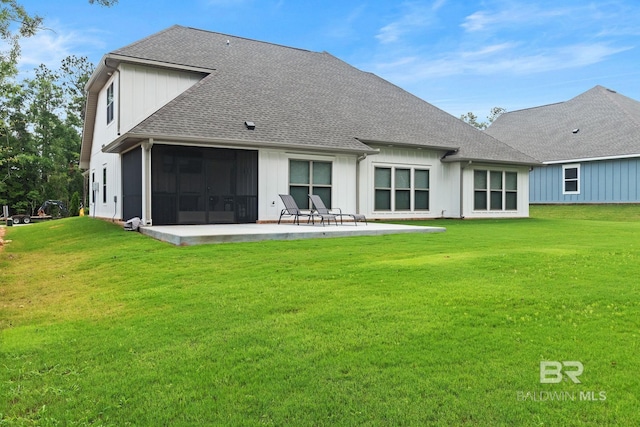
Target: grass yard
[104, 327]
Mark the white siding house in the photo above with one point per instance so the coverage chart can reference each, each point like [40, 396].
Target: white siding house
[190, 126]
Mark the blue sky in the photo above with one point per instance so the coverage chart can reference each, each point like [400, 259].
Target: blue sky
[457, 55]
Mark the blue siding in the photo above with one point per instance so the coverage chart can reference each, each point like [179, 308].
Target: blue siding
[605, 181]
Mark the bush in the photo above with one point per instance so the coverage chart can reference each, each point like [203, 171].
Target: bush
[74, 206]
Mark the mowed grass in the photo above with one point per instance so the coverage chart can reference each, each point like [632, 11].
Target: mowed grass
[104, 327]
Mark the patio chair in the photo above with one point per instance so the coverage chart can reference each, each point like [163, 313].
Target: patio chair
[291, 209]
[321, 209]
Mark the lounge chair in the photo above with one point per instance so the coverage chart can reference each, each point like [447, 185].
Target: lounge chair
[291, 209]
[321, 209]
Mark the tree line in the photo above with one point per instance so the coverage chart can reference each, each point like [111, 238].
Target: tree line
[41, 119]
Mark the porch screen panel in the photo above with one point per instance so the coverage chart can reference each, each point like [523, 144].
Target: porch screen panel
[132, 184]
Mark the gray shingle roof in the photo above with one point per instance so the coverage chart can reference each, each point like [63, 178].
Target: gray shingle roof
[297, 97]
[608, 125]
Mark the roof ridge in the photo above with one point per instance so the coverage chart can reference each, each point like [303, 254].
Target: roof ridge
[611, 94]
[245, 38]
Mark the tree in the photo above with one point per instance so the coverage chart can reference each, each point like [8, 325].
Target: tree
[472, 119]
[41, 143]
[40, 119]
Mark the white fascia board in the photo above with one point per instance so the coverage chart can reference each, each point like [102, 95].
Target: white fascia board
[591, 159]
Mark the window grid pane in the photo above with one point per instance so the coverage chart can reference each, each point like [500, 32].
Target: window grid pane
[325, 195]
[383, 178]
[421, 200]
[403, 200]
[300, 195]
[480, 200]
[571, 173]
[299, 172]
[496, 200]
[496, 180]
[511, 181]
[571, 186]
[403, 178]
[383, 200]
[422, 179]
[480, 180]
[322, 173]
[511, 201]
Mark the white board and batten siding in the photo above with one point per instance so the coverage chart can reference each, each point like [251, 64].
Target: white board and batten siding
[468, 192]
[444, 181]
[273, 179]
[138, 92]
[601, 181]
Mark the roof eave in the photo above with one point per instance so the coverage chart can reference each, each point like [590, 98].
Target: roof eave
[408, 145]
[461, 159]
[130, 140]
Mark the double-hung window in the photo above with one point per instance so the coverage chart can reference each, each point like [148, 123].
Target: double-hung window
[401, 189]
[309, 177]
[110, 107]
[571, 179]
[495, 190]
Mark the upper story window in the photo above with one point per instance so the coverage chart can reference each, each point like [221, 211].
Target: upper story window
[571, 179]
[110, 107]
[495, 190]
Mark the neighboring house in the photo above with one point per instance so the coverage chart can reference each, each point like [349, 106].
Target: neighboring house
[191, 127]
[589, 144]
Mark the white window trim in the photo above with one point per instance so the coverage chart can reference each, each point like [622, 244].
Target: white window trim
[564, 180]
[105, 176]
[503, 190]
[111, 106]
[412, 188]
[312, 159]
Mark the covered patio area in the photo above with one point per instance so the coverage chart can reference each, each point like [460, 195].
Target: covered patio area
[187, 235]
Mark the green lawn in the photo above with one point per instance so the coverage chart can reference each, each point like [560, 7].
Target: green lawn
[104, 327]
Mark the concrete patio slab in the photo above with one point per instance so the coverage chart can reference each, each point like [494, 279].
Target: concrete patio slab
[187, 235]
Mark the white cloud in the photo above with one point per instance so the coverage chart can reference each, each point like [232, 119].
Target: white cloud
[51, 47]
[415, 17]
[506, 14]
[496, 60]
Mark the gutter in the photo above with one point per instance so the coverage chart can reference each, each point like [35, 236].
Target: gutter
[591, 159]
[129, 140]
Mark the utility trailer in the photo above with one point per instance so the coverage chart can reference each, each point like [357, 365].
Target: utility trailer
[43, 213]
